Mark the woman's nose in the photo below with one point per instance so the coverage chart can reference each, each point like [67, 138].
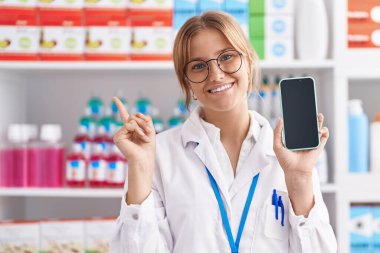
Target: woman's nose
[215, 72]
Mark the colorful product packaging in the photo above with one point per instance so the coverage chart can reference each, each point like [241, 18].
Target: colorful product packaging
[62, 35]
[105, 4]
[208, 5]
[62, 236]
[150, 5]
[19, 237]
[360, 229]
[151, 35]
[19, 34]
[98, 233]
[376, 229]
[107, 35]
[271, 6]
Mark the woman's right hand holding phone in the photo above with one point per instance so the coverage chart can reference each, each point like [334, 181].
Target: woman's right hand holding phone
[137, 141]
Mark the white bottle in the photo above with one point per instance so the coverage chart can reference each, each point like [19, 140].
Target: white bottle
[311, 30]
[322, 168]
[375, 145]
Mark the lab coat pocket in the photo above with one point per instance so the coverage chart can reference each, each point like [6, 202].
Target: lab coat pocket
[274, 227]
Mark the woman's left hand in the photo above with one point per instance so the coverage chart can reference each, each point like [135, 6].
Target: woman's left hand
[298, 168]
[299, 162]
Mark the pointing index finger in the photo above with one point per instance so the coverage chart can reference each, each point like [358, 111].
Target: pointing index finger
[122, 111]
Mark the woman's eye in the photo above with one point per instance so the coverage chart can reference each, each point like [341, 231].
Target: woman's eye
[225, 57]
[199, 66]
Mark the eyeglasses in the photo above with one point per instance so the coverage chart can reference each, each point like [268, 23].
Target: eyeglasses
[229, 62]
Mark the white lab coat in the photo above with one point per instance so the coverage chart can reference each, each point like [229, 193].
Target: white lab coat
[182, 214]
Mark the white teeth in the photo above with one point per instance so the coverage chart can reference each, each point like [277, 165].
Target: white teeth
[221, 88]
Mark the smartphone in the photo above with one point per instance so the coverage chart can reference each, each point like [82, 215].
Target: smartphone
[299, 112]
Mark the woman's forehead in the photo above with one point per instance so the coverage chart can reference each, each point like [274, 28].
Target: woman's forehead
[207, 42]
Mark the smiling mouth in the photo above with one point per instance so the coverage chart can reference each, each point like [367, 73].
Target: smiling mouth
[221, 88]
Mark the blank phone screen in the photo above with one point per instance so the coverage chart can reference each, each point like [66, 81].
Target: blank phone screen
[299, 113]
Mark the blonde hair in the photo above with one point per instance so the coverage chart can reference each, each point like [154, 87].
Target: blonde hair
[231, 29]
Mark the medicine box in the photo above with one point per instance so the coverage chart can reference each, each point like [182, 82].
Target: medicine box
[19, 237]
[360, 229]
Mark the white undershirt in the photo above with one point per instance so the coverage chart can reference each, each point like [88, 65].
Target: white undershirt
[213, 134]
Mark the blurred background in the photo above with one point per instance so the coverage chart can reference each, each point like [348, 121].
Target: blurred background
[61, 62]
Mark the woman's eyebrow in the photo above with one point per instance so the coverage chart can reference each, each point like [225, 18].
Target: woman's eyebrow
[216, 54]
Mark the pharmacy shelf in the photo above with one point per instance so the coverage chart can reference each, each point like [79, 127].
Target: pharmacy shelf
[361, 187]
[360, 64]
[21, 66]
[61, 192]
[90, 193]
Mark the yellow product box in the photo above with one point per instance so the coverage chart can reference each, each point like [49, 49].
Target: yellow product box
[61, 236]
[99, 233]
[151, 36]
[19, 237]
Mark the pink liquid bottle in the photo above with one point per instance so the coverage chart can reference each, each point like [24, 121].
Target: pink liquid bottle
[76, 167]
[97, 167]
[5, 163]
[84, 139]
[116, 168]
[52, 152]
[103, 138]
[17, 156]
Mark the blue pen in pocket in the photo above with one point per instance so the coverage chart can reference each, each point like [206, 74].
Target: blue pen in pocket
[281, 204]
[275, 203]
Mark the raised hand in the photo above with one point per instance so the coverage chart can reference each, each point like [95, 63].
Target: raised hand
[137, 141]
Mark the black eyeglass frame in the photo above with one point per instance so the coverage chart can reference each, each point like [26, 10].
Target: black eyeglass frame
[217, 63]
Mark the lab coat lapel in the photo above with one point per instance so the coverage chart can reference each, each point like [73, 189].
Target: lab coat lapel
[261, 156]
[193, 131]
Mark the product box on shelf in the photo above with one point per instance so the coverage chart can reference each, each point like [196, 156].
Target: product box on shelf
[363, 36]
[105, 4]
[236, 5]
[185, 5]
[98, 234]
[363, 12]
[60, 4]
[180, 17]
[150, 5]
[273, 49]
[108, 35]
[376, 229]
[62, 236]
[360, 228]
[271, 26]
[62, 35]
[19, 237]
[151, 35]
[19, 34]
[208, 5]
[17, 4]
[271, 6]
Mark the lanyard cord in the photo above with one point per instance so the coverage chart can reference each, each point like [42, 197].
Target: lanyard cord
[233, 245]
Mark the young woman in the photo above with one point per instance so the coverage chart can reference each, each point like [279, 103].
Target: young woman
[223, 181]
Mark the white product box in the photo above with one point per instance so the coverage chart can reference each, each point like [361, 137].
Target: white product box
[99, 234]
[18, 237]
[279, 6]
[62, 40]
[279, 26]
[62, 236]
[107, 4]
[279, 49]
[108, 40]
[151, 4]
[18, 3]
[19, 39]
[60, 4]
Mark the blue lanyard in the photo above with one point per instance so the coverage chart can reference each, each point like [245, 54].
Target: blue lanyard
[233, 245]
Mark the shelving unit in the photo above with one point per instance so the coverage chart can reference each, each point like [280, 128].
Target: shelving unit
[56, 92]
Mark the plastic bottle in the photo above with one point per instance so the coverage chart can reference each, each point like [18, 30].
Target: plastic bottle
[311, 30]
[84, 139]
[375, 145]
[176, 119]
[358, 137]
[108, 122]
[322, 168]
[97, 167]
[76, 167]
[116, 168]
[88, 122]
[18, 145]
[52, 153]
[253, 100]
[143, 105]
[157, 121]
[103, 138]
[265, 100]
[96, 107]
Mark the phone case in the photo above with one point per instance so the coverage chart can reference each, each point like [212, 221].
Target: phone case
[316, 114]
